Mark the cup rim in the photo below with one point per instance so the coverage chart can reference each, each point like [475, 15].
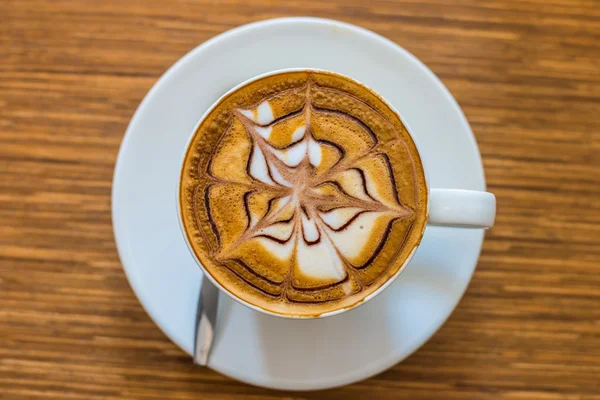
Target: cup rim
[221, 288]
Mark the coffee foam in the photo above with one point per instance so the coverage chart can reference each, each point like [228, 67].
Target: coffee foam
[302, 193]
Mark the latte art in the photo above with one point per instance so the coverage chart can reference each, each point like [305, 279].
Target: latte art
[302, 193]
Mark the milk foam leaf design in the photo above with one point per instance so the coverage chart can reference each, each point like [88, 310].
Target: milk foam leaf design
[317, 209]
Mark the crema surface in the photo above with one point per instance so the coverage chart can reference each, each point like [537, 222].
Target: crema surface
[302, 193]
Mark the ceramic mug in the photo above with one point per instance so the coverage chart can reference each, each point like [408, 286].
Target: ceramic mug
[446, 206]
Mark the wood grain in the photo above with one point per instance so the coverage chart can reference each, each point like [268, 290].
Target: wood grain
[527, 74]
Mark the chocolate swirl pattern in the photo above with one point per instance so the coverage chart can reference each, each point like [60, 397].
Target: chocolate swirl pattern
[308, 197]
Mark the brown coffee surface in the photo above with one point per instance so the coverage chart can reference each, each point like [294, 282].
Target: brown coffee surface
[302, 193]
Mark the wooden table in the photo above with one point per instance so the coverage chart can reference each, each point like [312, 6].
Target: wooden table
[527, 74]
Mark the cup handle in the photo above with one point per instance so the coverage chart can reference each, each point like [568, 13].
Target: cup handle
[462, 208]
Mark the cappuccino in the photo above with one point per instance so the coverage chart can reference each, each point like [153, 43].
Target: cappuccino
[302, 193]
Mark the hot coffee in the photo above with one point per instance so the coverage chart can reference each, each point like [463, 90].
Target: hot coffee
[302, 193]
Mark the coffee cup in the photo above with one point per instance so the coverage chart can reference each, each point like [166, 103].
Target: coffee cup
[303, 194]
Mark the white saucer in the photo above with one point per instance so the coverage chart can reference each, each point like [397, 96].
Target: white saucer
[271, 351]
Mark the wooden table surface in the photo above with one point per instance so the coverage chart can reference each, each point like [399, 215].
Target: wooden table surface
[527, 75]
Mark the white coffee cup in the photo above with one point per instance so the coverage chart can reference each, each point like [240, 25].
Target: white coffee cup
[446, 206]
